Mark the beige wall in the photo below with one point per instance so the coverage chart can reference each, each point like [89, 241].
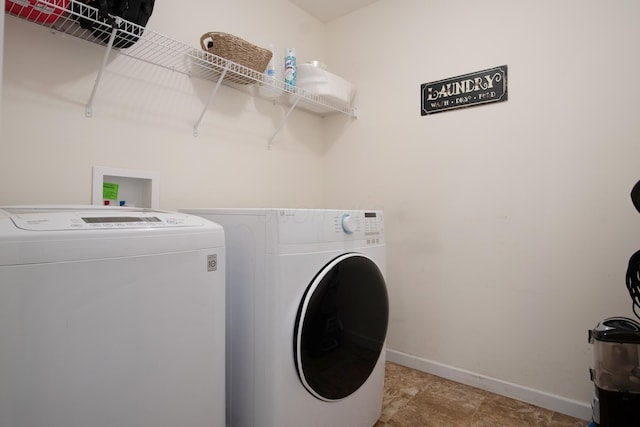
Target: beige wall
[143, 116]
[509, 226]
[1, 67]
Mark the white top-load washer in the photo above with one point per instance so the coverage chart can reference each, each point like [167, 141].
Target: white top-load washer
[307, 315]
[110, 317]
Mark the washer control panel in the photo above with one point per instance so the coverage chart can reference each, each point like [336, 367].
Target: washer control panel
[98, 218]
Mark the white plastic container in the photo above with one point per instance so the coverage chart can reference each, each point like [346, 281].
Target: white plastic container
[318, 81]
[269, 90]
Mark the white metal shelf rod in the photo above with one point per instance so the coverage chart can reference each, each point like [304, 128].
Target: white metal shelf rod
[105, 59]
[282, 122]
[211, 96]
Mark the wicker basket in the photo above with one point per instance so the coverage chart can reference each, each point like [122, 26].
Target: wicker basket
[237, 50]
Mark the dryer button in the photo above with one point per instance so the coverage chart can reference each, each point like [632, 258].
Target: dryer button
[347, 223]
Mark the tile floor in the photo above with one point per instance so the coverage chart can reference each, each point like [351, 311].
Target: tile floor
[417, 399]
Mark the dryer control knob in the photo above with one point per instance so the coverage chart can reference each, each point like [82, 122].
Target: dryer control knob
[347, 223]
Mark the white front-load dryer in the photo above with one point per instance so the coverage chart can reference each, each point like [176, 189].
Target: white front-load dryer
[307, 311]
[111, 317]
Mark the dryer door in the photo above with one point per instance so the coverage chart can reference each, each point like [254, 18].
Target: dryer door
[341, 327]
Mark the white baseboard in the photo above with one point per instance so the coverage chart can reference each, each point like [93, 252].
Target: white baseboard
[573, 408]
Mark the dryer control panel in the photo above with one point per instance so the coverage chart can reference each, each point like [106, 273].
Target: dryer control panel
[369, 222]
[307, 226]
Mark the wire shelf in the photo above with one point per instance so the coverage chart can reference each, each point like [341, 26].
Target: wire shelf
[72, 17]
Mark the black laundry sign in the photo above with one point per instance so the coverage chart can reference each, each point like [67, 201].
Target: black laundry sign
[481, 87]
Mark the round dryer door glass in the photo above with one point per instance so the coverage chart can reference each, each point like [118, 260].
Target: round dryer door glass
[341, 327]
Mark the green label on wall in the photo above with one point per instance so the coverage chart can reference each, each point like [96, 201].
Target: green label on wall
[481, 87]
[110, 191]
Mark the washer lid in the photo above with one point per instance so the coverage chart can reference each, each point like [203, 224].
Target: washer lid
[341, 327]
[35, 235]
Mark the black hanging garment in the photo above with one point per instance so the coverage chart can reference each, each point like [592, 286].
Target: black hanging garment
[135, 12]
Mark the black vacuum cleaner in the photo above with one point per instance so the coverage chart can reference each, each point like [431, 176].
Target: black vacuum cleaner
[616, 345]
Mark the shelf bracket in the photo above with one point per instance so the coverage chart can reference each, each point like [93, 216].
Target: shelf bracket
[88, 111]
[282, 122]
[211, 96]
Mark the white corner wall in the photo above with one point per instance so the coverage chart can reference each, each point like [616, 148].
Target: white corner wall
[510, 225]
[143, 116]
